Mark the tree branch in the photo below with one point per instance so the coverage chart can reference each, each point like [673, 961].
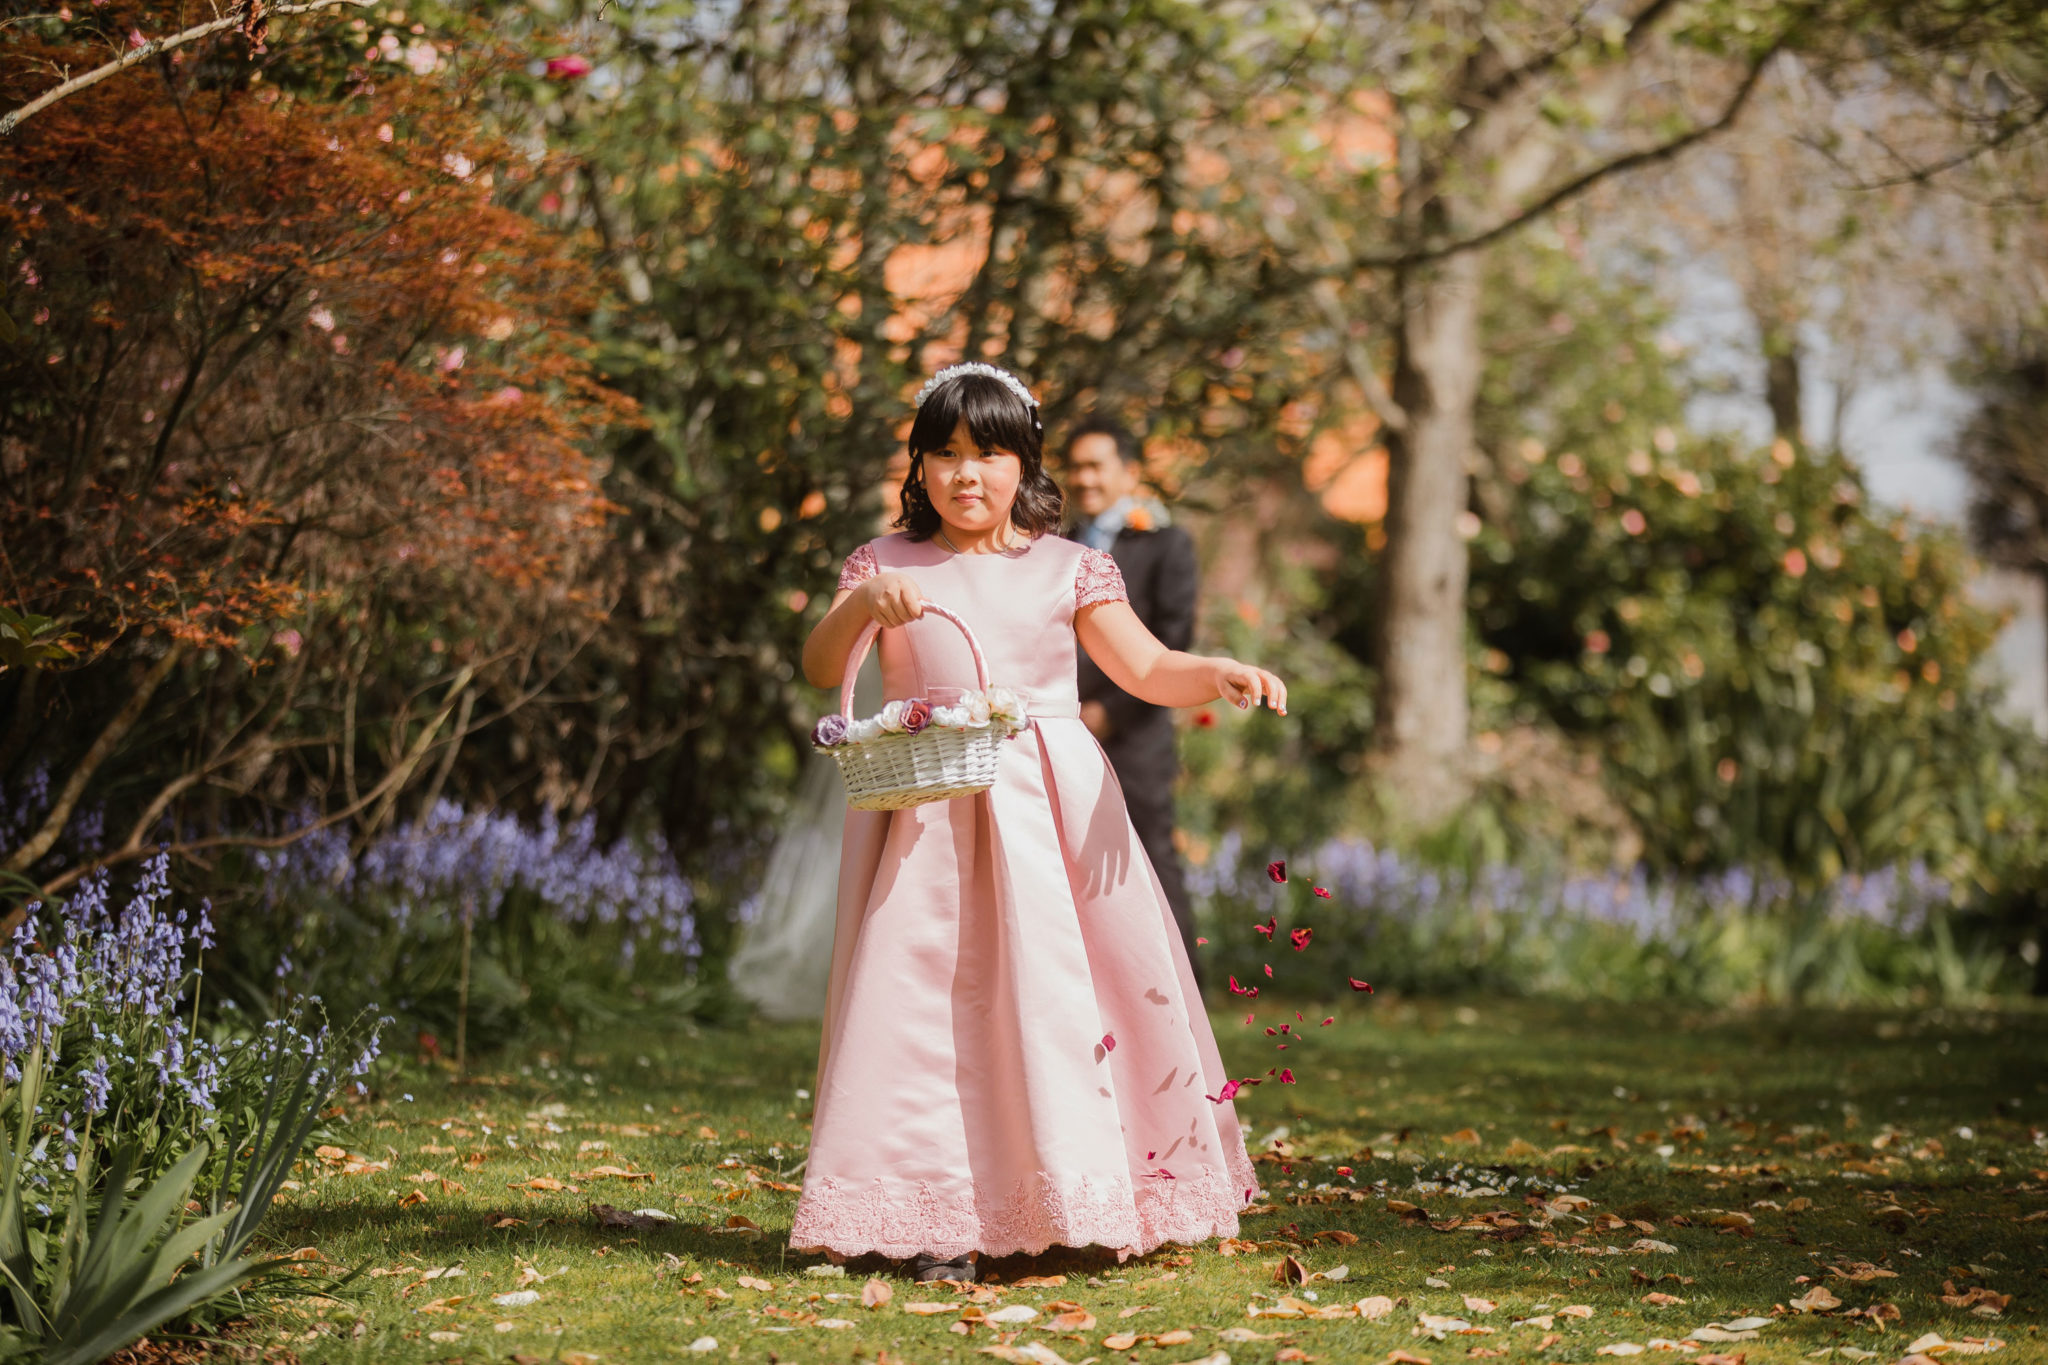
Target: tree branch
[1571, 189]
[39, 843]
[236, 18]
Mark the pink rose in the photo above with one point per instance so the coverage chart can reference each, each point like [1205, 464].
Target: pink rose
[917, 713]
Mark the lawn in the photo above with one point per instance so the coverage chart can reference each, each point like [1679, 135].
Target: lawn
[1654, 1171]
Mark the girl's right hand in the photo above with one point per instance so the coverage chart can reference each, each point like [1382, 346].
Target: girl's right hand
[893, 599]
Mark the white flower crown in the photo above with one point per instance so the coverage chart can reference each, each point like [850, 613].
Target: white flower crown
[951, 372]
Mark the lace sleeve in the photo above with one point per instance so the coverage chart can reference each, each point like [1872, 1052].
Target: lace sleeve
[1098, 580]
[860, 566]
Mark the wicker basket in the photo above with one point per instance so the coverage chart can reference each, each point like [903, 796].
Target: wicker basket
[938, 763]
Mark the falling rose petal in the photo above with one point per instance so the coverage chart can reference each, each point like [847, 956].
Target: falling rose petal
[1272, 1032]
[1236, 989]
[1201, 940]
[1358, 985]
[1301, 938]
[1297, 1016]
[1287, 1028]
[1109, 1042]
[1286, 1077]
[1150, 1155]
[1271, 1071]
[1268, 927]
[1277, 870]
[1229, 1091]
[1322, 891]
[1248, 1018]
[1329, 1021]
[1269, 969]
[1280, 1047]
[1162, 1174]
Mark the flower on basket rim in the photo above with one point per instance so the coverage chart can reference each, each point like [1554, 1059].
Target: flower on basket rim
[917, 713]
[977, 708]
[830, 730]
[1005, 705]
[891, 718]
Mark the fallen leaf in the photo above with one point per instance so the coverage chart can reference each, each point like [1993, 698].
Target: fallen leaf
[1576, 1310]
[1815, 1300]
[1479, 1305]
[1121, 1341]
[518, 1298]
[754, 1282]
[1040, 1282]
[1657, 1300]
[875, 1293]
[1648, 1244]
[1619, 1348]
[1016, 1312]
[1179, 1336]
[927, 1309]
[1465, 1136]
[1073, 1320]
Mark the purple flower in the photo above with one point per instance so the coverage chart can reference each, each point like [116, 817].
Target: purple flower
[917, 713]
[831, 730]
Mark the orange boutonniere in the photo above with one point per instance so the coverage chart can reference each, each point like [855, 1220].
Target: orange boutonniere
[1139, 519]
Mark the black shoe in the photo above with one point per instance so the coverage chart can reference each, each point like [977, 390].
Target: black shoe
[925, 1268]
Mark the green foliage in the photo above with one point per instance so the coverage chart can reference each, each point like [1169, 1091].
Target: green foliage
[30, 641]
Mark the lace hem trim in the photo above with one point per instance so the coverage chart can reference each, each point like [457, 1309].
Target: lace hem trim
[1098, 580]
[900, 1218]
[860, 566]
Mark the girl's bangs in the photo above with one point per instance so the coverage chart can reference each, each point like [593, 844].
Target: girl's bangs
[996, 418]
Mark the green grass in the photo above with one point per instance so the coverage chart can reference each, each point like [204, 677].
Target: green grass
[1833, 1108]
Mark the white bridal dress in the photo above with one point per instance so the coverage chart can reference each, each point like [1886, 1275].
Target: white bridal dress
[784, 960]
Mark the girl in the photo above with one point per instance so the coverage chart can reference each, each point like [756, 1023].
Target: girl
[1014, 1054]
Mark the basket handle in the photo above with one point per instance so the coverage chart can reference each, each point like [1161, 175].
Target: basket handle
[866, 640]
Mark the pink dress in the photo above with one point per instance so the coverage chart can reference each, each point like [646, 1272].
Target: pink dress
[985, 946]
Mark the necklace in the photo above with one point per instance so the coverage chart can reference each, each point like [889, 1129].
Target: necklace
[955, 548]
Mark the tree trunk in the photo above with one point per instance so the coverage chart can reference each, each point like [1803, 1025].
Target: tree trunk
[1781, 384]
[1423, 706]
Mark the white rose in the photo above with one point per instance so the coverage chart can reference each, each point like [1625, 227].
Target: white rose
[891, 718]
[861, 731]
[1005, 705]
[977, 710]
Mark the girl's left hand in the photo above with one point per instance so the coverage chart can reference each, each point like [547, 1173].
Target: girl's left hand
[1247, 686]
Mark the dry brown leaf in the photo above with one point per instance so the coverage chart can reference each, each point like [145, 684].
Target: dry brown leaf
[412, 1197]
[1398, 1357]
[1660, 1300]
[1576, 1310]
[1466, 1136]
[1136, 1309]
[539, 1182]
[754, 1282]
[875, 1293]
[1040, 1282]
[1073, 1320]
[927, 1310]
[1121, 1341]
[1479, 1305]
[1179, 1336]
[1290, 1271]
[1815, 1300]
[510, 1223]
[1374, 1308]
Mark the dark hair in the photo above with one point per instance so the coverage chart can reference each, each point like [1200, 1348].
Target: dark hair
[997, 419]
[1127, 447]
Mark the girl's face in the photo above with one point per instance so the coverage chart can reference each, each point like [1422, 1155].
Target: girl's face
[971, 488]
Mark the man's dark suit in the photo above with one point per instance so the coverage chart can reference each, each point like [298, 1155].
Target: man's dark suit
[1160, 573]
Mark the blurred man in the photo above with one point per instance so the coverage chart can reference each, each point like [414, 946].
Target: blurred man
[1110, 510]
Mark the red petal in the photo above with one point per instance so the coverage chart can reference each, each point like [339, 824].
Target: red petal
[1266, 928]
[1150, 1155]
[1277, 870]
[1329, 1021]
[1229, 1091]
[1201, 940]
[1281, 1048]
[1248, 1018]
[1269, 969]
[1287, 1077]
[1287, 1028]
[1322, 891]
[1301, 938]
[1109, 1042]
[1236, 989]
[1343, 1170]
[1271, 1032]
[1358, 985]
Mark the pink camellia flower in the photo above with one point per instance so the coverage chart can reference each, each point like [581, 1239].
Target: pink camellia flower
[568, 68]
[917, 713]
